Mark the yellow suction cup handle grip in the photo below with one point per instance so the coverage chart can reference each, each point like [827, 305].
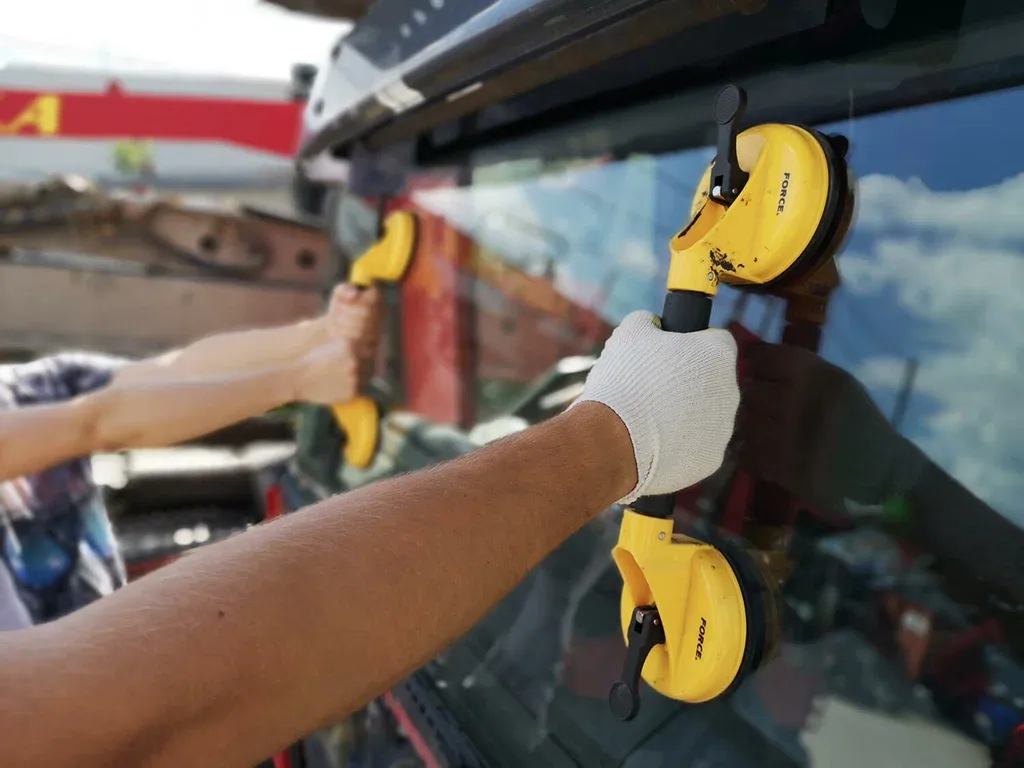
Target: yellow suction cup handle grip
[360, 420]
[388, 259]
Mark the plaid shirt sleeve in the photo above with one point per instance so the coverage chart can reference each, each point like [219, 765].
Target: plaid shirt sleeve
[84, 372]
[56, 378]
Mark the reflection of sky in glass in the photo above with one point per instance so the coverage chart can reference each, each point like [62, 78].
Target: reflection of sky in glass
[932, 270]
[601, 225]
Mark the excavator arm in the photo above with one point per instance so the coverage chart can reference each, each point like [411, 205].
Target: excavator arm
[137, 273]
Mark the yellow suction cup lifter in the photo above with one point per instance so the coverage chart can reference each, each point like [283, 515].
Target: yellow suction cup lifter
[683, 615]
[696, 619]
[387, 261]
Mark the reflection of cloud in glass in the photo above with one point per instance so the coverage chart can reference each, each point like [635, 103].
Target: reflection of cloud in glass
[955, 261]
[638, 257]
[590, 228]
[991, 214]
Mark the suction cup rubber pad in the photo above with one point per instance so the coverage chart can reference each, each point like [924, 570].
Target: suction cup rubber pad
[837, 203]
[760, 626]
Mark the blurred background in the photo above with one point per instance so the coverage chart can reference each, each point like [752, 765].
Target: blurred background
[230, 50]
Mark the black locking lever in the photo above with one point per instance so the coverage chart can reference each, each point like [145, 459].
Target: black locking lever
[645, 632]
[727, 178]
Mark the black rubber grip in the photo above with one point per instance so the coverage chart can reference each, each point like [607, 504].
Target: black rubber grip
[684, 312]
[655, 506]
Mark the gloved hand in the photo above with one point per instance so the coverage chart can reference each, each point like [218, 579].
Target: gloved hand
[677, 395]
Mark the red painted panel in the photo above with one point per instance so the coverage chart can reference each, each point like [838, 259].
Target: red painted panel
[269, 126]
[416, 739]
[436, 339]
[468, 317]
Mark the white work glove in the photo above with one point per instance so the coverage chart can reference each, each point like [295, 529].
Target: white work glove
[676, 393]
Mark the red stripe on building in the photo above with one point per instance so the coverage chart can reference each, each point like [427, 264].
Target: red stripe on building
[268, 126]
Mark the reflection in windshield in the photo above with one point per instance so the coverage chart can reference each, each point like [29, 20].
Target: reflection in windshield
[892, 656]
[591, 227]
[926, 315]
[952, 261]
[534, 650]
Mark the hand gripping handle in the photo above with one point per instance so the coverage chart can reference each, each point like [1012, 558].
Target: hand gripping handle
[684, 312]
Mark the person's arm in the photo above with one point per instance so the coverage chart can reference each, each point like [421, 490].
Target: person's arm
[255, 641]
[811, 428]
[970, 539]
[228, 353]
[226, 658]
[350, 316]
[165, 412]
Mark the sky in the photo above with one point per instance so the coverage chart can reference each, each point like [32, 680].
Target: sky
[222, 37]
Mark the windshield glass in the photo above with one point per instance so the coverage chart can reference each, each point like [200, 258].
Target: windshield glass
[902, 590]
[927, 314]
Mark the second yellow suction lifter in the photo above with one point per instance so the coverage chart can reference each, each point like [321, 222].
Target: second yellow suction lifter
[385, 261]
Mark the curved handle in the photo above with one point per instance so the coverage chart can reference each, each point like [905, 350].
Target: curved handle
[360, 420]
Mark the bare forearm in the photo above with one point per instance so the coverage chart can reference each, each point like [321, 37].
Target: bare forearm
[164, 413]
[255, 641]
[138, 415]
[233, 352]
[36, 438]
